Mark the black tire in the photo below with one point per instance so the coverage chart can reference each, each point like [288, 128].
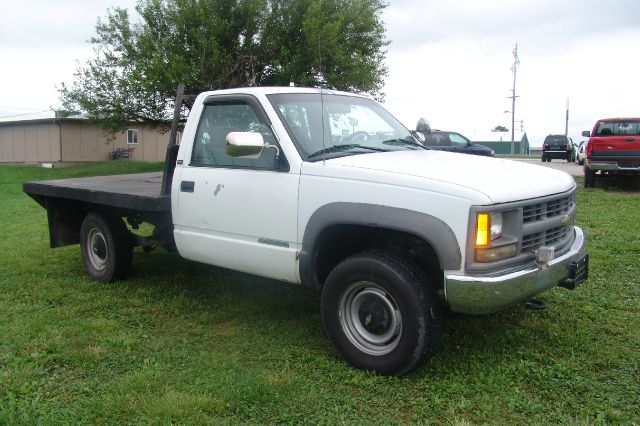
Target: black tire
[362, 299]
[106, 247]
[544, 158]
[589, 178]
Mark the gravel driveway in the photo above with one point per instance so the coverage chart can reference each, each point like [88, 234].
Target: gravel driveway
[572, 168]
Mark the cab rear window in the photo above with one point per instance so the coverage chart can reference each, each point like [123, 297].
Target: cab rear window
[615, 128]
[555, 140]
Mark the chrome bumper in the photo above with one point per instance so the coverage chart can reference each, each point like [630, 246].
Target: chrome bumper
[610, 166]
[484, 295]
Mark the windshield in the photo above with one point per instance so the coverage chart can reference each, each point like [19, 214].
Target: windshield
[347, 125]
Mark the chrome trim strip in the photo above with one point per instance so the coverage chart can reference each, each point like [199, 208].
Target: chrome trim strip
[270, 242]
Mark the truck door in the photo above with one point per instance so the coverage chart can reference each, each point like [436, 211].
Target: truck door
[238, 213]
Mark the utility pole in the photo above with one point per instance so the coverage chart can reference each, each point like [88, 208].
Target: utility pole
[514, 69]
[566, 123]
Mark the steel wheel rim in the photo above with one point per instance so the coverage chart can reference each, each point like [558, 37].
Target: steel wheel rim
[370, 318]
[97, 249]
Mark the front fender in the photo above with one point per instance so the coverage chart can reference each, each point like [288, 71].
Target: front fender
[426, 227]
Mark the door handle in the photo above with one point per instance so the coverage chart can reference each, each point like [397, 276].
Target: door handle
[187, 186]
[629, 139]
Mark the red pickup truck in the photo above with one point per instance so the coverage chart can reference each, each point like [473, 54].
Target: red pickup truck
[613, 148]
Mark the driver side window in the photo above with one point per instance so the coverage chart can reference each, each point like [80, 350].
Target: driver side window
[437, 139]
[457, 139]
[216, 122]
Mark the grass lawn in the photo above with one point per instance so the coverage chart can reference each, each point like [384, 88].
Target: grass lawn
[183, 343]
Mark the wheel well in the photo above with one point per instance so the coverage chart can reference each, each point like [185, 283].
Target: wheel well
[338, 242]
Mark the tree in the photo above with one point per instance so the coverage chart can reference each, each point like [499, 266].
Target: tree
[500, 129]
[215, 44]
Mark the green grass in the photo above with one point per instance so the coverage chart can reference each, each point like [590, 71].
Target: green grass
[182, 343]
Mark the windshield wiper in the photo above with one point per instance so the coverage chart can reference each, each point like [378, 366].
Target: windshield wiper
[346, 147]
[404, 142]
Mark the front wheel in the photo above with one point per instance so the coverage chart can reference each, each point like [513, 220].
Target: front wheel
[106, 247]
[380, 313]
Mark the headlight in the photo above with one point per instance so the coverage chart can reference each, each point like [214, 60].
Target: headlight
[488, 228]
[496, 225]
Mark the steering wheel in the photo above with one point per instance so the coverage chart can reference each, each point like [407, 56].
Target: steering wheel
[359, 136]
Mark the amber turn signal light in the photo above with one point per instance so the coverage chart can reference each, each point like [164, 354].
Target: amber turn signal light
[482, 229]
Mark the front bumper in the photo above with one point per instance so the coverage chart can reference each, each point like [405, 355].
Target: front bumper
[484, 295]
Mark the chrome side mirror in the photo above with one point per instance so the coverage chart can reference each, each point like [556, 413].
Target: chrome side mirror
[245, 145]
[586, 134]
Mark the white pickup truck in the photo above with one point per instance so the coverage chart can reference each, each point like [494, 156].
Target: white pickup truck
[328, 190]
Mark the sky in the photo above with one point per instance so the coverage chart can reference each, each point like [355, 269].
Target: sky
[449, 61]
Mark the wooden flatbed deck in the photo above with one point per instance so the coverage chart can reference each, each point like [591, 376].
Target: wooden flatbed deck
[139, 191]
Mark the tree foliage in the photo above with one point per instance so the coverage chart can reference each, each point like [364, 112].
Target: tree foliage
[215, 44]
[499, 129]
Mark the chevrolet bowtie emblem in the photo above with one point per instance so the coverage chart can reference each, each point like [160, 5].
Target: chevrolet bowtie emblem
[565, 219]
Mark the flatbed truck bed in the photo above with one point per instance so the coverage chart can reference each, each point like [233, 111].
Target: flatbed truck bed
[135, 197]
[138, 191]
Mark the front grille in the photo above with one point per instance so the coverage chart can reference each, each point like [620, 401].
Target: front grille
[529, 224]
[551, 237]
[543, 218]
[548, 209]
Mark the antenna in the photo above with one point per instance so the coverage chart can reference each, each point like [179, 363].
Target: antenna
[321, 99]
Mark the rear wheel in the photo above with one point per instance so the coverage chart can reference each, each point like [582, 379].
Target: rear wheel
[589, 178]
[380, 313]
[106, 247]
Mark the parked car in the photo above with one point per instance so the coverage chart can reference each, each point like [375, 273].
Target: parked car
[613, 148]
[580, 152]
[557, 146]
[455, 142]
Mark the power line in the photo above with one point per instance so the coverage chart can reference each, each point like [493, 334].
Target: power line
[514, 69]
[22, 115]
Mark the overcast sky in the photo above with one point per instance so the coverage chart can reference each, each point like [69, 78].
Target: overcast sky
[449, 60]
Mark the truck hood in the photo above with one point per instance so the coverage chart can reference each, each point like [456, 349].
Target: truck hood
[498, 179]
